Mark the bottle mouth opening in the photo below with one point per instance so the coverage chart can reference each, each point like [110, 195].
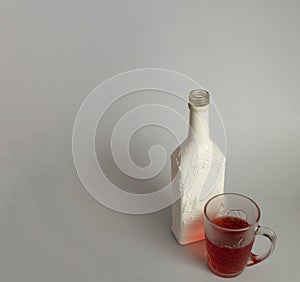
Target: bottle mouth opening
[199, 98]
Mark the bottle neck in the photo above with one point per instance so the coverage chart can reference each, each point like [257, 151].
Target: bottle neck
[199, 124]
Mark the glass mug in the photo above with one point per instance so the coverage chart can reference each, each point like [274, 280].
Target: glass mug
[231, 224]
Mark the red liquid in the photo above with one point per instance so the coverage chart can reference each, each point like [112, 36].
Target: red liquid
[228, 260]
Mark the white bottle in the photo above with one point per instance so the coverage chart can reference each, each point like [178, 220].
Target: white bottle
[198, 168]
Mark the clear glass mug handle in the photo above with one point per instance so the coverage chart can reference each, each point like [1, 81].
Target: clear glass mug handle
[271, 235]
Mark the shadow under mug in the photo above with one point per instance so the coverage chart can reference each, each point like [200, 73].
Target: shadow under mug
[231, 224]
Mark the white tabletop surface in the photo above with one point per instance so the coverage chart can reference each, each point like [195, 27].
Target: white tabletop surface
[53, 53]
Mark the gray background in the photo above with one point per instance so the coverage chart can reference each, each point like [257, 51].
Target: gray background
[53, 53]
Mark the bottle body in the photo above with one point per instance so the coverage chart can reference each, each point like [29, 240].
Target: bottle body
[197, 171]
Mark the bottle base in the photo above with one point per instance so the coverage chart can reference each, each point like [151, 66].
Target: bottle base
[188, 238]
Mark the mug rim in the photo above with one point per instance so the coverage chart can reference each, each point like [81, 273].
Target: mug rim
[228, 229]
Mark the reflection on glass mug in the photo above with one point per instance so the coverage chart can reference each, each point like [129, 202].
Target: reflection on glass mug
[231, 224]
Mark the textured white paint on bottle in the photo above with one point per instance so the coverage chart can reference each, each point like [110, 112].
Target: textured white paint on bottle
[198, 167]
